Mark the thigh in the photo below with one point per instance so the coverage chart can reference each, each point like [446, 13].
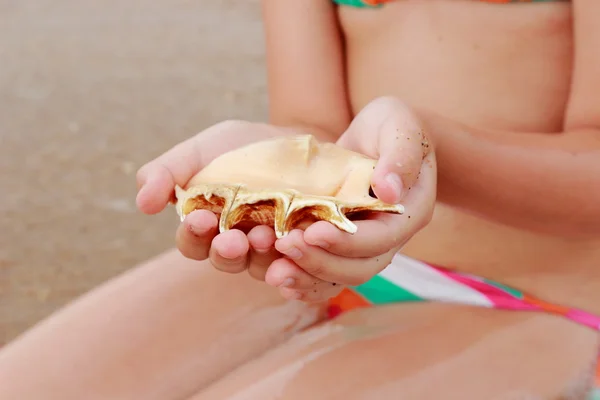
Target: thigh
[422, 351]
[163, 330]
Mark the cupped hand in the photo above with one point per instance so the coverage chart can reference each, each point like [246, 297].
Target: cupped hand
[322, 259]
[198, 235]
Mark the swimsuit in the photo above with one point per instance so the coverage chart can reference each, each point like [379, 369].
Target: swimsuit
[408, 280]
[379, 3]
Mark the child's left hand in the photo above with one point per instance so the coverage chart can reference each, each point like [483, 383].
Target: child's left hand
[322, 259]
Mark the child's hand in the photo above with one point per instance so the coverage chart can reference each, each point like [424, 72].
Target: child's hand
[197, 235]
[321, 259]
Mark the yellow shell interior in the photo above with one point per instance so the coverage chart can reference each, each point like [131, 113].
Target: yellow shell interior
[282, 182]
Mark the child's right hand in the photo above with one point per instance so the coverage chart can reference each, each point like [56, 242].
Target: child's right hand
[197, 236]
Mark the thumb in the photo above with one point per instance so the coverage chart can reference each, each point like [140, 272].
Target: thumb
[401, 153]
[388, 130]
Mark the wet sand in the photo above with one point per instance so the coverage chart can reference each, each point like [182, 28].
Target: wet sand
[89, 91]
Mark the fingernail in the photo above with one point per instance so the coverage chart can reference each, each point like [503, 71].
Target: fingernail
[229, 260]
[194, 230]
[261, 251]
[293, 253]
[288, 282]
[320, 243]
[395, 183]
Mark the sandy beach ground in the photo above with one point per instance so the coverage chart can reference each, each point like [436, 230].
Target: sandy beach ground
[89, 91]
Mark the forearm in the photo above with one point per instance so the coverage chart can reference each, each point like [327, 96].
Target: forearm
[306, 68]
[542, 182]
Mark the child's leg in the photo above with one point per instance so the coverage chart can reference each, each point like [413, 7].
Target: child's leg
[422, 351]
[162, 331]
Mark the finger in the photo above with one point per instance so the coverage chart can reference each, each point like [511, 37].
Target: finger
[229, 251]
[291, 294]
[400, 145]
[310, 296]
[382, 231]
[419, 202]
[296, 284]
[305, 287]
[157, 179]
[284, 273]
[330, 267]
[401, 153]
[373, 237]
[262, 251]
[195, 234]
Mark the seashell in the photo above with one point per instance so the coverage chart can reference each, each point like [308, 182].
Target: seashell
[282, 182]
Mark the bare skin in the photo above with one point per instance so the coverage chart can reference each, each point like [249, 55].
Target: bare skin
[157, 333]
[403, 352]
[490, 58]
[488, 82]
[479, 65]
[153, 333]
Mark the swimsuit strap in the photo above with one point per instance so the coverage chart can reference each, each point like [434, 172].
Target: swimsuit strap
[379, 3]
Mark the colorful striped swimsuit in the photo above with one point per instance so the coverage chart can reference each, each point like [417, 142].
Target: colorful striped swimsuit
[379, 3]
[409, 280]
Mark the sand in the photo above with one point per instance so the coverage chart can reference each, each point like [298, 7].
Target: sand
[89, 91]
